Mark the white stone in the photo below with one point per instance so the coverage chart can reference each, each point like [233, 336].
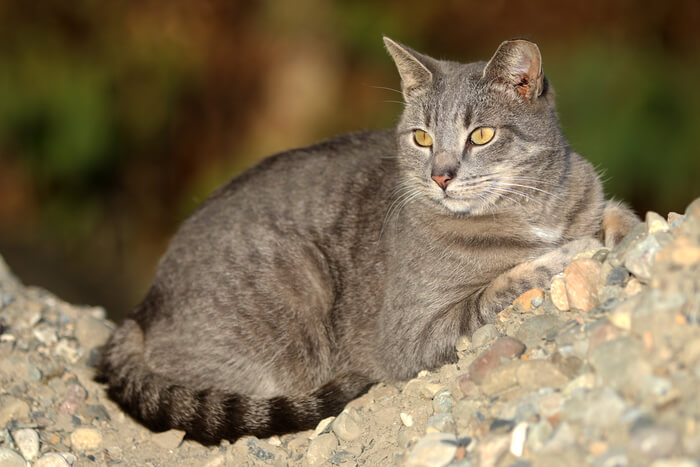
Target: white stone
[517, 440]
[321, 427]
[27, 441]
[407, 419]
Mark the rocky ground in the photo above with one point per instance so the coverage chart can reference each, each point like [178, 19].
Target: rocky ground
[603, 369]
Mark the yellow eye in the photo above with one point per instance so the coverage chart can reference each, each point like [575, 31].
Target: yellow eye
[422, 138]
[482, 135]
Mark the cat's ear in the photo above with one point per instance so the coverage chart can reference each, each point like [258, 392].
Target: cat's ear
[416, 70]
[518, 65]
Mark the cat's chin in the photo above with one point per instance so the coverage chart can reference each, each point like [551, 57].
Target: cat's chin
[462, 206]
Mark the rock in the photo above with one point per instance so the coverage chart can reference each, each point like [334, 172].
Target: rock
[500, 379]
[347, 425]
[517, 439]
[12, 408]
[491, 449]
[91, 332]
[557, 292]
[321, 448]
[434, 450]
[463, 344]
[524, 301]
[616, 276]
[27, 441]
[654, 442]
[581, 277]
[639, 259]
[617, 254]
[443, 402]
[441, 422]
[324, 426]
[406, 419]
[484, 335]
[85, 439]
[264, 452]
[9, 458]
[467, 387]
[75, 396]
[537, 327]
[620, 364]
[52, 459]
[504, 347]
[534, 374]
[656, 223]
[168, 439]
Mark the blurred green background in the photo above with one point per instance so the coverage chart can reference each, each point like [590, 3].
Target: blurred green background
[118, 118]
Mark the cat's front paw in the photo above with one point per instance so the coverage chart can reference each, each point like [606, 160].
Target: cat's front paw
[618, 221]
[555, 261]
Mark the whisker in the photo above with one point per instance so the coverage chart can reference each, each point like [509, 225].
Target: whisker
[530, 187]
[388, 89]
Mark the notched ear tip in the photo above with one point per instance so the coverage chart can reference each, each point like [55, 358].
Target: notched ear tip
[518, 62]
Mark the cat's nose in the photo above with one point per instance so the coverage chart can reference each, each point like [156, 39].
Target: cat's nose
[442, 180]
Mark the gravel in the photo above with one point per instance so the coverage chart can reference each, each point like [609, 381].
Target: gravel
[601, 369]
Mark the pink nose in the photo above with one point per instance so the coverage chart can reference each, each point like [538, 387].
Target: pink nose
[442, 180]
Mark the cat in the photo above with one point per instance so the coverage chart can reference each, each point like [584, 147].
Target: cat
[324, 270]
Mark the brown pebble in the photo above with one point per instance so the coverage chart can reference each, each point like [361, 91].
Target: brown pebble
[506, 347]
[581, 284]
[524, 301]
[557, 291]
[468, 388]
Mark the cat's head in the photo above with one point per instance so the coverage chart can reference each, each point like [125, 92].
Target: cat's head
[481, 137]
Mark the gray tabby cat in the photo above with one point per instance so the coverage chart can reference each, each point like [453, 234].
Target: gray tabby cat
[362, 258]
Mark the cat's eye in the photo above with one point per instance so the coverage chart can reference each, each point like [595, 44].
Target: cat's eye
[482, 135]
[422, 138]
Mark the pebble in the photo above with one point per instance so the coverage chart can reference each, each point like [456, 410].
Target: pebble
[654, 442]
[484, 335]
[12, 408]
[557, 293]
[27, 441]
[10, 458]
[517, 440]
[434, 450]
[535, 374]
[52, 459]
[656, 223]
[581, 277]
[321, 448]
[525, 300]
[537, 327]
[504, 347]
[86, 439]
[91, 332]
[168, 439]
[347, 425]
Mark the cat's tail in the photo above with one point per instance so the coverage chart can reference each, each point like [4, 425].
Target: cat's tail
[209, 416]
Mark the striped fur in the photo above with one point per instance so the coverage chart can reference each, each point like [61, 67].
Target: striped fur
[207, 415]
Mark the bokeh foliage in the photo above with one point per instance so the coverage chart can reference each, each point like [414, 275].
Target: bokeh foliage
[117, 118]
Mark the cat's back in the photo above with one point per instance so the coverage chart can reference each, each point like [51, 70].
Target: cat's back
[311, 193]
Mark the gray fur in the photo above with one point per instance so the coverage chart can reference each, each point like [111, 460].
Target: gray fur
[327, 268]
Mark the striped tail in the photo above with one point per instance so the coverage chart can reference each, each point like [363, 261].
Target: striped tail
[209, 416]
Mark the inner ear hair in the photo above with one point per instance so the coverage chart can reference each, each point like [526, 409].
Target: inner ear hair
[518, 63]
